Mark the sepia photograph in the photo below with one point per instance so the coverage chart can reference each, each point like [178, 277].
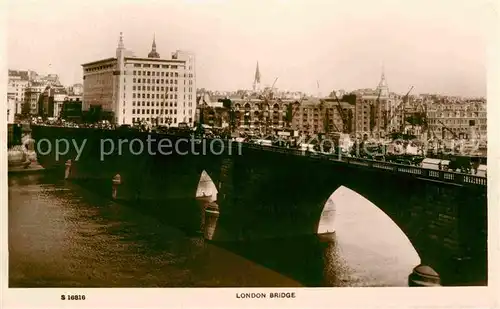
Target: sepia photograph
[266, 146]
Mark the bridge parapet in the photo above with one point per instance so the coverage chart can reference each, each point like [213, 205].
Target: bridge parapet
[428, 174]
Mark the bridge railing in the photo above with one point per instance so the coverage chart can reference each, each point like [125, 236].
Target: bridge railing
[439, 175]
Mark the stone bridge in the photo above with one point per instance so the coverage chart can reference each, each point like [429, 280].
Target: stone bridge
[266, 192]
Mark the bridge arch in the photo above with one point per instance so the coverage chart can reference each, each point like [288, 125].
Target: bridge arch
[348, 212]
[206, 188]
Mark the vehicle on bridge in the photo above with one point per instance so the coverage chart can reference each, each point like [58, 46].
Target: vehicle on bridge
[481, 170]
[435, 164]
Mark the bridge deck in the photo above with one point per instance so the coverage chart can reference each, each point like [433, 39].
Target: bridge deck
[428, 174]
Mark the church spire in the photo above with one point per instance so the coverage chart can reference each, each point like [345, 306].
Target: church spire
[256, 81]
[153, 53]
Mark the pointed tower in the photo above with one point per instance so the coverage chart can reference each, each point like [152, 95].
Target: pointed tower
[121, 47]
[256, 81]
[118, 92]
[153, 53]
[382, 87]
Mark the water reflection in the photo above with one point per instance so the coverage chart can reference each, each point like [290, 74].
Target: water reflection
[63, 235]
[366, 236]
[367, 248]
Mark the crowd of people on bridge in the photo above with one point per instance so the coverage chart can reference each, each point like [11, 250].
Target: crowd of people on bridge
[359, 148]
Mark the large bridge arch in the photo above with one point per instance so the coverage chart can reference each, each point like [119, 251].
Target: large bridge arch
[365, 238]
[343, 202]
[435, 216]
[348, 212]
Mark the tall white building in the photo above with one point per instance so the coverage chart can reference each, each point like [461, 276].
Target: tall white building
[18, 82]
[154, 89]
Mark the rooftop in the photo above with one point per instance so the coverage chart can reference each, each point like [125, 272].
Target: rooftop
[99, 61]
[24, 75]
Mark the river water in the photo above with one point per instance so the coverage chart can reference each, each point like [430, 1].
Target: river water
[62, 235]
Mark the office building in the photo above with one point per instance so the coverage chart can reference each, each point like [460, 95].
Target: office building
[160, 91]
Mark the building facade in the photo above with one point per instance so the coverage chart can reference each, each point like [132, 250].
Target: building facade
[16, 89]
[377, 112]
[306, 115]
[33, 97]
[323, 116]
[51, 101]
[465, 119]
[155, 90]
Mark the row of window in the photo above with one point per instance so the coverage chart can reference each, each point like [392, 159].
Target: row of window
[458, 115]
[172, 104]
[152, 81]
[153, 73]
[152, 96]
[152, 88]
[154, 111]
[146, 65]
[438, 128]
[455, 121]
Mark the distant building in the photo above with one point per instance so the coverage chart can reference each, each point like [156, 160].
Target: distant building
[76, 89]
[26, 87]
[315, 116]
[32, 97]
[376, 111]
[459, 119]
[206, 100]
[73, 97]
[307, 115]
[18, 82]
[51, 79]
[143, 89]
[51, 102]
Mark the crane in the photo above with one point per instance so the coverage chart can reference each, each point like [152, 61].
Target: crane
[345, 123]
[269, 95]
[448, 129]
[403, 110]
[326, 123]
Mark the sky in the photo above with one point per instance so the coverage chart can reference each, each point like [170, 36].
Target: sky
[436, 46]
